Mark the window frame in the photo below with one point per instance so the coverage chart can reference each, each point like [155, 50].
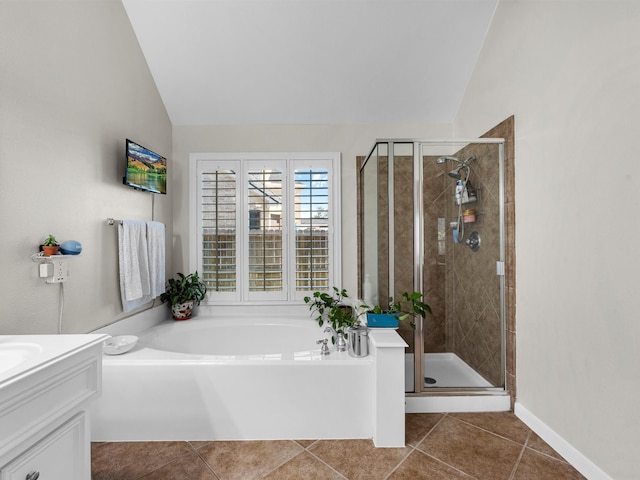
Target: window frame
[290, 161]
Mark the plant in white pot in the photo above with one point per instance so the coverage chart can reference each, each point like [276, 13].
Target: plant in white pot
[183, 293]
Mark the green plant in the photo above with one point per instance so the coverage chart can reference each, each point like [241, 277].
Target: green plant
[184, 289]
[50, 241]
[330, 307]
[410, 305]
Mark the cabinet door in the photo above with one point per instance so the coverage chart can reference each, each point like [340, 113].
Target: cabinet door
[63, 454]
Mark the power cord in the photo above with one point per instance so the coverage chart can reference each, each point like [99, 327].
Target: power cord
[61, 308]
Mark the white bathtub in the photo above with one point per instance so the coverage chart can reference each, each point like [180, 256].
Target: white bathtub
[242, 379]
[238, 338]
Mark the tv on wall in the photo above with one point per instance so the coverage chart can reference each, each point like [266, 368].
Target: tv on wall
[146, 170]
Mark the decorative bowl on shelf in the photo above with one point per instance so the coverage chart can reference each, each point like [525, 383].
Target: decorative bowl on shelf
[119, 345]
[70, 247]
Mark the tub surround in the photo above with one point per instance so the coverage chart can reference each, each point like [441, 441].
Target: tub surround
[154, 394]
[387, 349]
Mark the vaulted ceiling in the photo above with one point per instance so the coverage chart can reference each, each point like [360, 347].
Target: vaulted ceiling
[231, 62]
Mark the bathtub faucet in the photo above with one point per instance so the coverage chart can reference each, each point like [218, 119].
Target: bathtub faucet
[338, 339]
[324, 350]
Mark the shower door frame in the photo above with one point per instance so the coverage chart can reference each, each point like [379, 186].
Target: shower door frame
[419, 244]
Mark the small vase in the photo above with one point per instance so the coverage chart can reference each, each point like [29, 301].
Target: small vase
[182, 311]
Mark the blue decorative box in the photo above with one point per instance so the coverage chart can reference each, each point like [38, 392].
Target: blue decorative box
[382, 320]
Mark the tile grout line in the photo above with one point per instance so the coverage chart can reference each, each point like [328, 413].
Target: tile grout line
[322, 461]
[209, 467]
[414, 448]
[442, 462]
[439, 460]
[411, 450]
[444, 415]
[156, 468]
[517, 463]
[285, 461]
[494, 433]
[560, 459]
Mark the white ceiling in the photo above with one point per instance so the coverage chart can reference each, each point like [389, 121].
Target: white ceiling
[230, 62]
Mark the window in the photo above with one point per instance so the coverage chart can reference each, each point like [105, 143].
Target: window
[265, 226]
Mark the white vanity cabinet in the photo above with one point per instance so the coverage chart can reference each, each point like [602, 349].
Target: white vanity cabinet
[60, 455]
[44, 428]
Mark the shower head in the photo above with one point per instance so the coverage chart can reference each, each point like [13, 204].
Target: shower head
[456, 173]
[447, 159]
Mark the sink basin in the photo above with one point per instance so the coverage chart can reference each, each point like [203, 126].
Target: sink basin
[14, 354]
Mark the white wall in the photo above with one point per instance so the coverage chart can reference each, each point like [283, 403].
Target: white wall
[350, 140]
[570, 73]
[73, 86]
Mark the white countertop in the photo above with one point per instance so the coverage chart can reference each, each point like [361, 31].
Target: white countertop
[21, 355]
[386, 338]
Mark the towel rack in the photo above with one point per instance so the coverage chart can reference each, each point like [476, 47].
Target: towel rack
[113, 221]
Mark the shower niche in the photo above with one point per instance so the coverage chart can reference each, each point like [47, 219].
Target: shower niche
[431, 219]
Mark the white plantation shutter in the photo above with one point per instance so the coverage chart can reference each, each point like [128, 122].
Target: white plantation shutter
[266, 225]
[266, 253]
[312, 229]
[219, 230]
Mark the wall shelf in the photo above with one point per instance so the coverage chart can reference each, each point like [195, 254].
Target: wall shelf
[39, 257]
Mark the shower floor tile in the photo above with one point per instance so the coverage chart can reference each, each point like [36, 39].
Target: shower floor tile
[439, 446]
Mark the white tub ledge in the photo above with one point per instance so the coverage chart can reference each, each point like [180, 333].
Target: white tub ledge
[387, 347]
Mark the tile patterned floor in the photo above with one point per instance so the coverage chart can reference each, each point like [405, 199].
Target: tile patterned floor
[438, 447]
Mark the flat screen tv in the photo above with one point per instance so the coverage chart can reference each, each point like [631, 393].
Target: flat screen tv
[146, 170]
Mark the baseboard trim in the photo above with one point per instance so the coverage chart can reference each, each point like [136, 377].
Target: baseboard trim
[581, 463]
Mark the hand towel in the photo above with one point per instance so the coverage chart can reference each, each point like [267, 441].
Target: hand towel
[155, 249]
[134, 264]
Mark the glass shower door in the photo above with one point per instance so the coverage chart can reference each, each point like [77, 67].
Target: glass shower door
[416, 235]
[463, 340]
[387, 227]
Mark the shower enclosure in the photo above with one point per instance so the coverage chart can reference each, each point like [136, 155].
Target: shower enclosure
[431, 219]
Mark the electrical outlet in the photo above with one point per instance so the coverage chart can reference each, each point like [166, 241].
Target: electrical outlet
[60, 271]
[46, 270]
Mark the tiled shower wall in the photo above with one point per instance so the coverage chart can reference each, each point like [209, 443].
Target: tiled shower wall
[472, 288]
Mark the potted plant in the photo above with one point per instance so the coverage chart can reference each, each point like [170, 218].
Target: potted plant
[50, 246]
[411, 305]
[183, 293]
[331, 308]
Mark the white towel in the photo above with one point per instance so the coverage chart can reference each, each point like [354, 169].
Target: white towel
[134, 264]
[155, 248]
